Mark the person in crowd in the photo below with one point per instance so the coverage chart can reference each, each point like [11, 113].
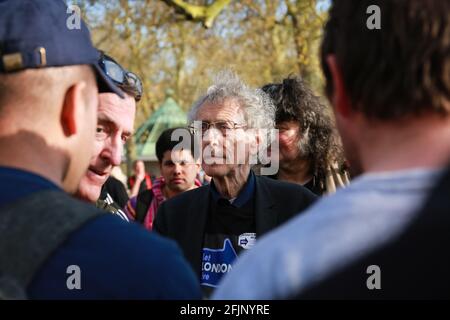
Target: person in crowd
[178, 169]
[140, 181]
[214, 223]
[114, 127]
[392, 109]
[53, 246]
[310, 152]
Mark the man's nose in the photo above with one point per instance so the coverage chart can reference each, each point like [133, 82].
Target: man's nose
[113, 150]
[212, 136]
[178, 169]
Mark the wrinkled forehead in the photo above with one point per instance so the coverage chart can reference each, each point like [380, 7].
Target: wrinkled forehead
[229, 109]
[119, 112]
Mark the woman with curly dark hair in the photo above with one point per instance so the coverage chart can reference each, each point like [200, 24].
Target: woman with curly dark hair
[309, 150]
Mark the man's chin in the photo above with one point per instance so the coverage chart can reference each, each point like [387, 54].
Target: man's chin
[88, 192]
[178, 187]
[216, 170]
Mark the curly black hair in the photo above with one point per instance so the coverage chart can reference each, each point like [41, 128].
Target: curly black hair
[320, 144]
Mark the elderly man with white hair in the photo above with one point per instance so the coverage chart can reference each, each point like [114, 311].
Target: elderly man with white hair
[213, 224]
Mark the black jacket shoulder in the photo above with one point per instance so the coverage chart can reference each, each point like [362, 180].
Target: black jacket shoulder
[284, 199]
[183, 218]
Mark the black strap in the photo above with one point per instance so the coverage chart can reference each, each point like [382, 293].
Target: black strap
[31, 229]
[143, 201]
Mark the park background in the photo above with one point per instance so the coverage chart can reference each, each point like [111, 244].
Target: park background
[177, 47]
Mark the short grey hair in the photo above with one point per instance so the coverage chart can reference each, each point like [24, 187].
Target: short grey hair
[258, 108]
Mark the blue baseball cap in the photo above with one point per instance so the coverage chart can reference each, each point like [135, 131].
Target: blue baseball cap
[45, 33]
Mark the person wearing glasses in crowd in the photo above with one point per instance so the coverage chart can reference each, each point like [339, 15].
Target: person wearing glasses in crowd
[114, 127]
[214, 223]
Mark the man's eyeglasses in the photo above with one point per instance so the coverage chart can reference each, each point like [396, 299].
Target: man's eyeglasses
[222, 126]
[125, 80]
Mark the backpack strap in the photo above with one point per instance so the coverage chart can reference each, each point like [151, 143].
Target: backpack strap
[143, 201]
[31, 229]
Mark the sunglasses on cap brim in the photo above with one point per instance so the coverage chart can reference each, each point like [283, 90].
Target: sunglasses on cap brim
[125, 80]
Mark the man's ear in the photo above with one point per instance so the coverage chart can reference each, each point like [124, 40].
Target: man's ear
[339, 97]
[73, 100]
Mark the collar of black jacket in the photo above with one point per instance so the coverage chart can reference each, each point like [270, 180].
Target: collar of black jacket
[245, 194]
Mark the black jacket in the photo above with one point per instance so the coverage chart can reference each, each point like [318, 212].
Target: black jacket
[183, 218]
